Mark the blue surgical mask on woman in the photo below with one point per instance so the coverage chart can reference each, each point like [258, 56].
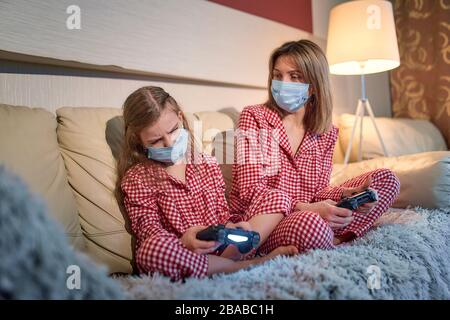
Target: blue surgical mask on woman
[290, 96]
[173, 153]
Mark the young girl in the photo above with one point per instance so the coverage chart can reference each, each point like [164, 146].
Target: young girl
[282, 188]
[171, 192]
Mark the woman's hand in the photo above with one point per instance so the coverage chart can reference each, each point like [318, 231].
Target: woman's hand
[366, 207]
[198, 246]
[336, 217]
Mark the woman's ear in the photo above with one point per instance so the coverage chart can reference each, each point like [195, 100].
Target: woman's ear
[311, 97]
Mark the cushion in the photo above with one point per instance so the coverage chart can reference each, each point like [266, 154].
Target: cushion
[401, 137]
[338, 154]
[89, 139]
[29, 147]
[209, 125]
[424, 177]
[223, 151]
[217, 136]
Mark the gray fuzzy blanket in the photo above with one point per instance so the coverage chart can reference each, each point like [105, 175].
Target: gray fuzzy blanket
[36, 260]
[406, 256]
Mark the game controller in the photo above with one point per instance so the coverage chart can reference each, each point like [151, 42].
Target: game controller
[353, 202]
[243, 239]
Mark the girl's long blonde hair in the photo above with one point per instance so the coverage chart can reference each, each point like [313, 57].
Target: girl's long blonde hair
[142, 108]
[312, 62]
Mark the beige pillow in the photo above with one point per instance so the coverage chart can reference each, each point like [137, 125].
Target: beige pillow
[209, 124]
[401, 137]
[29, 148]
[223, 151]
[424, 177]
[89, 139]
[338, 154]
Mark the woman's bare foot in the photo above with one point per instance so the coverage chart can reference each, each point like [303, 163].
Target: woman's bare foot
[281, 251]
[336, 241]
[232, 252]
[219, 264]
[349, 236]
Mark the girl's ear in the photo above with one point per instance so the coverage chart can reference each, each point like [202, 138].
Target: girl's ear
[180, 116]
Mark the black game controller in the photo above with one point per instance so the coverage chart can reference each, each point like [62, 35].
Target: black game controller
[353, 202]
[243, 239]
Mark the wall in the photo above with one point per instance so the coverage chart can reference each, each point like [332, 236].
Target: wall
[294, 13]
[208, 56]
[421, 85]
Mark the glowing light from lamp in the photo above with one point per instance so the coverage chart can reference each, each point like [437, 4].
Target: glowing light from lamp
[362, 38]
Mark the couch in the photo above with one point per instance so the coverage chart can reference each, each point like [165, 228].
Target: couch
[69, 159]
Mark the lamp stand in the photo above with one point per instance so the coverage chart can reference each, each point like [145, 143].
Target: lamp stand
[363, 104]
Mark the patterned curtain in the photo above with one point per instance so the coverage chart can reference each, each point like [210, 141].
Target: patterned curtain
[420, 87]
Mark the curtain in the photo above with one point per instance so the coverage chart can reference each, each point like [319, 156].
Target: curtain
[420, 87]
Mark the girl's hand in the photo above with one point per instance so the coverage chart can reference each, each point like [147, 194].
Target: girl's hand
[348, 192]
[336, 217]
[198, 246]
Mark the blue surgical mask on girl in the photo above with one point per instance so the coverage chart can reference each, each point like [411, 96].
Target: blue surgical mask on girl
[173, 153]
[290, 96]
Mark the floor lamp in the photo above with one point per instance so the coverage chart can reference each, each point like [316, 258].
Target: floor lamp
[361, 41]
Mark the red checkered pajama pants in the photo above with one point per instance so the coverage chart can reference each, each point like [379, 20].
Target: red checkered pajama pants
[168, 256]
[307, 230]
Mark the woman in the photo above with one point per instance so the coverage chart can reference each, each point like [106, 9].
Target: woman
[284, 157]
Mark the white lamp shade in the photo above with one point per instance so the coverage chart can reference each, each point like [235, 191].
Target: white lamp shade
[361, 38]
